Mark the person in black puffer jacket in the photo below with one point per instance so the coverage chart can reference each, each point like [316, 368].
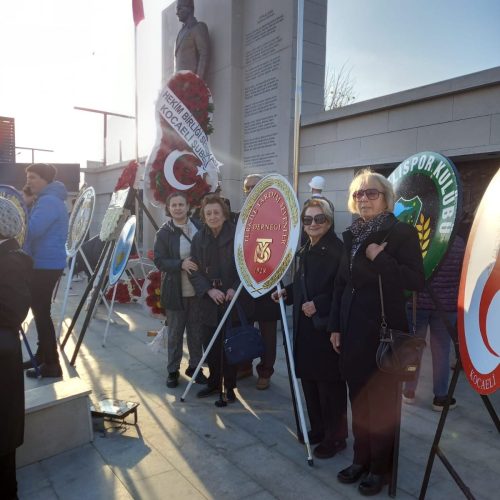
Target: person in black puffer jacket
[444, 284]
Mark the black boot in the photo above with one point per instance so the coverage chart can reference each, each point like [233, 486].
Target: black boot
[351, 474]
[29, 364]
[173, 379]
[46, 371]
[372, 484]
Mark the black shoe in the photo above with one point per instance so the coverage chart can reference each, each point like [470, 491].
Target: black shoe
[329, 450]
[46, 371]
[200, 378]
[439, 403]
[372, 484]
[230, 396]
[207, 391]
[351, 474]
[313, 438]
[173, 379]
[29, 364]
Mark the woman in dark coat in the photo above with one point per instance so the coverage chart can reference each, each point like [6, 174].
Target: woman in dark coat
[376, 245]
[316, 364]
[172, 250]
[15, 272]
[215, 281]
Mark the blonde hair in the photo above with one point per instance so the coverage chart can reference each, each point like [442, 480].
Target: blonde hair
[320, 203]
[363, 177]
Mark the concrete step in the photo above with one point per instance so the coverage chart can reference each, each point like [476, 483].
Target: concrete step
[57, 419]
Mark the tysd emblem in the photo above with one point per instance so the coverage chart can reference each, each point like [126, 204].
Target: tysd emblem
[428, 196]
[267, 234]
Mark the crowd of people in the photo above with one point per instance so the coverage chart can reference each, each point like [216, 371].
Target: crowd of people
[334, 293]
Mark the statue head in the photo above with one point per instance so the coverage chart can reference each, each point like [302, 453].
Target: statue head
[184, 10]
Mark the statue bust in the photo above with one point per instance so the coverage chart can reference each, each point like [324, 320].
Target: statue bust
[192, 46]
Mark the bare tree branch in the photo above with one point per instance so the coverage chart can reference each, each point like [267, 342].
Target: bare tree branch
[339, 87]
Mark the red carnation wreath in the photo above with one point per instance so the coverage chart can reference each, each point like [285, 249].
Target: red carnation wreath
[127, 291]
[196, 97]
[127, 177]
[152, 294]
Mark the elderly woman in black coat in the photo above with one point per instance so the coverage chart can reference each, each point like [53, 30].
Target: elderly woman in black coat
[15, 273]
[376, 244]
[316, 364]
[215, 280]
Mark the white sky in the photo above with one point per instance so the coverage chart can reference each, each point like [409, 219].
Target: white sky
[57, 54]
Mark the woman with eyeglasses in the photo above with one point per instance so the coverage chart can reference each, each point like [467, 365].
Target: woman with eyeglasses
[376, 244]
[316, 364]
[215, 280]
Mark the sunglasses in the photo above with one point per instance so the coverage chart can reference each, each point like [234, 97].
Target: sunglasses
[371, 194]
[307, 220]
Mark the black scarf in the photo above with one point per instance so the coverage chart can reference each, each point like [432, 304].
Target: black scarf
[361, 229]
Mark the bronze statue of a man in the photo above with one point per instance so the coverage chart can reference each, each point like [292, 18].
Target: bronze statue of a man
[192, 47]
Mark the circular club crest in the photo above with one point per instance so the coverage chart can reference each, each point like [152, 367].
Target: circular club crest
[267, 234]
[479, 296]
[79, 221]
[12, 194]
[428, 197]
[122, 251]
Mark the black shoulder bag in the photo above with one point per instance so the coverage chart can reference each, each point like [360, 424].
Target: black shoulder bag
[399, 353]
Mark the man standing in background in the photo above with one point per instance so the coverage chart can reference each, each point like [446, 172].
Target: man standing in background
[45, 243]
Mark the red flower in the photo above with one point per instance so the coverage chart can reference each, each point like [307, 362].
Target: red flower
[127, 177]
[196, 96]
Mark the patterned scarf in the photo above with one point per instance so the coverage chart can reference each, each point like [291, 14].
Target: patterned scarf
[361, 230]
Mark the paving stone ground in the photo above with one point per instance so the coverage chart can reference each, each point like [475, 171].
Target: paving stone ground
[248, 450]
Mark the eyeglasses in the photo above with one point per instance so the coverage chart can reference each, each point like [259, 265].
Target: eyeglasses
[371, 194]
[307, 220]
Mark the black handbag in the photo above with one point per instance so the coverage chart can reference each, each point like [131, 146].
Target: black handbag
[243, 342]
[399, 353]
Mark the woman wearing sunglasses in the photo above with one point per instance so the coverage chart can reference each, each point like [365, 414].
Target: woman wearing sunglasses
[376, 244]
[316, 364]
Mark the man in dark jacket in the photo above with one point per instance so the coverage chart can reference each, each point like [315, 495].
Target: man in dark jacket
[15, 272]
[444, 285]
[45, 243]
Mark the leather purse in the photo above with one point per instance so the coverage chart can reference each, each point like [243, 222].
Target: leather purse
[243, 342]
[399, 353]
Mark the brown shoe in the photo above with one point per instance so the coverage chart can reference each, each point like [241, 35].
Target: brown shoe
[263, 383]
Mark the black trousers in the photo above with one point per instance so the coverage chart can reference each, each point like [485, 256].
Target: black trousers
[42, 286]
[326, 402]
[217, 362]
[374, 414]
[8, 482]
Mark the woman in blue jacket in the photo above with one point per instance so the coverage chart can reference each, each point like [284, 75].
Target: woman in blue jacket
[45, 243]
